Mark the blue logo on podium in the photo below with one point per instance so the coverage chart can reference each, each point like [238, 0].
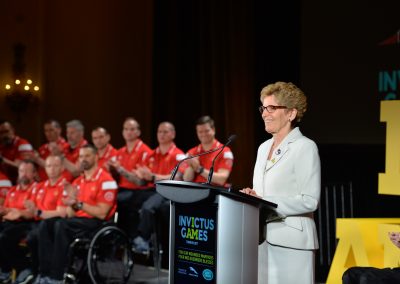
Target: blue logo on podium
[208, 274]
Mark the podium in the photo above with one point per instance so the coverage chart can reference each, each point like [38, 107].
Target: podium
[214, 233]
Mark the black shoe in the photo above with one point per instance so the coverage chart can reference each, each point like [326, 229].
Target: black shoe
[140, 245]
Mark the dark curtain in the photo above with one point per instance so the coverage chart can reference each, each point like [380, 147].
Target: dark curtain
[204, 66]
[205, 63]
[168, 60]
[98, 64]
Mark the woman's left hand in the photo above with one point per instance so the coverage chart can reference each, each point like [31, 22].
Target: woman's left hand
[250, 191]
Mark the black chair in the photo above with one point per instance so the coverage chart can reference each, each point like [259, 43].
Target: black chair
[104, 257]
[159, 238]
[336, 202]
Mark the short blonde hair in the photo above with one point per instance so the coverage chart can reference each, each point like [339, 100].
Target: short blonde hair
[287, 94]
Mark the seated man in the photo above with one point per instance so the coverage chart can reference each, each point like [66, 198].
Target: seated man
[13, 150]
[5, 185]
[157, 166]
[45, 203]
[55, 142]
[372, 275]
[132, 191]
[105, 151]
[17, 220]
[90, 200]
[198, 169]
[75, 137]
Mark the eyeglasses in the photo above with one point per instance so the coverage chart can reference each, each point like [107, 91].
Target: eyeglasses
[270, 108]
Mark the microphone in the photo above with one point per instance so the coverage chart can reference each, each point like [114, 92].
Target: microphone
[211, 172]
[173, 174]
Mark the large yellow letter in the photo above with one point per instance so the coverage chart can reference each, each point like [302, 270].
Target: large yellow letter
[363, 242]
[389, 182]
[350, 250]
[391, 252]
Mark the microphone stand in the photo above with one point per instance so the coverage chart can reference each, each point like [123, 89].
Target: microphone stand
[211, 171]
[173, 174]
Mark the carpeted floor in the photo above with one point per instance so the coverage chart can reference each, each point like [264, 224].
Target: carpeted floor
[148, 275]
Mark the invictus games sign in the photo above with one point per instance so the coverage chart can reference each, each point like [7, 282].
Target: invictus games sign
[195, 243]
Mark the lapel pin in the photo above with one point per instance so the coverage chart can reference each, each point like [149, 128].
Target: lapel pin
[278, 151]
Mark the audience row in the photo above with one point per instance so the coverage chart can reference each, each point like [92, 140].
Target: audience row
[67, 188]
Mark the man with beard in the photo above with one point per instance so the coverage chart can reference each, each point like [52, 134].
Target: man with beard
[45, 204]
[13, 149]
[17, 219]
[90, 200]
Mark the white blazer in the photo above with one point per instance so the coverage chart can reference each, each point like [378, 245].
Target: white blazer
[292, 179]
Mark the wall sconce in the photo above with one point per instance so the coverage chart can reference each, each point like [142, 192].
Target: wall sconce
[22, 92]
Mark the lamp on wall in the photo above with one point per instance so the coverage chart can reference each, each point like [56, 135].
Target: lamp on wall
[22, 92]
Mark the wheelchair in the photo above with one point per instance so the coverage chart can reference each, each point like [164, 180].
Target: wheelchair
[104, 258]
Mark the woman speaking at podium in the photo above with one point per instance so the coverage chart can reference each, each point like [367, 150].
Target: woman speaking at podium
[288, 173]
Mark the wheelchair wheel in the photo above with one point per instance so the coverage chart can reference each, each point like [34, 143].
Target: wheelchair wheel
[109, 258]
